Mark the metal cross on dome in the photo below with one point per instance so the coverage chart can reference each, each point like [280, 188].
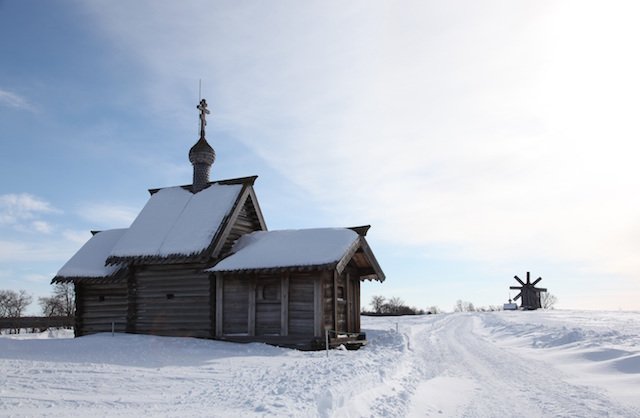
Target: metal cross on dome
[203, 113]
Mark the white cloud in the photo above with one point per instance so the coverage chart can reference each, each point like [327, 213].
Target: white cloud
[15, 209]
[108, 215]
[43, 227]
[498, 131]
[10, 99]
[77, 237]
[37, 278]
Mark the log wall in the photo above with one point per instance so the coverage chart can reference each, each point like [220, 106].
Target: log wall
[235, 300]
[268, 305]
[100, 305]
[341, 301]
[172, 301]
[279, 304]
[245, 223]
[301, 305]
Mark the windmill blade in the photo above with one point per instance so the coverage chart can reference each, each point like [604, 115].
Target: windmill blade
[537, 280]
[518, 296]
[518, 279]
[515, 287]
[541, 289]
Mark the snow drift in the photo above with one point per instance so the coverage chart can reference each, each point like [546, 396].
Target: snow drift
[534, 364]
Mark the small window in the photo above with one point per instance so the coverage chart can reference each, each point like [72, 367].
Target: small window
[101, 298]
[268, 292]
[271, 292]
[170, 296]
[340, 293]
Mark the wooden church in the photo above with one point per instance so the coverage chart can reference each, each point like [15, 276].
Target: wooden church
[198, 261]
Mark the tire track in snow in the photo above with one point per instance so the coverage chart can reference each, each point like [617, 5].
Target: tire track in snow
[487, 380]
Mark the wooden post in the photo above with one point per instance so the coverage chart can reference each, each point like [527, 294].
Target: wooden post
[251, 324]
[219, 307]
[335, 301]
[318, 297]
[212, 306]
[78, 329]
[326, 341]
[284, 304]
[349, 305]
[356, 284]
[130, 327]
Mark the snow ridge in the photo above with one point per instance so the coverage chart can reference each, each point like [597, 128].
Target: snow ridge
[545, 363]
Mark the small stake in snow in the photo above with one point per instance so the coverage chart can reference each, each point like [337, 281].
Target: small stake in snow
[113, 329]
[326, 341]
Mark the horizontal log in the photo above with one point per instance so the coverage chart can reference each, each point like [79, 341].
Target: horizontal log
[105, 304]
[104, 320]
[37, 322]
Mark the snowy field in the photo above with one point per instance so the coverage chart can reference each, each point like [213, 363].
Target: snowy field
[501, 364]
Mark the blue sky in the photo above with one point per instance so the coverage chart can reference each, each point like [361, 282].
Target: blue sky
[481, 140]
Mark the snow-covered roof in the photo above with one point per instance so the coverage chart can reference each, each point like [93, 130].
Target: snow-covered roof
[311, 248]
[89, 261]
[177, 222]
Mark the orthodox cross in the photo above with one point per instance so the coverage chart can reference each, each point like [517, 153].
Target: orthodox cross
[203, 113]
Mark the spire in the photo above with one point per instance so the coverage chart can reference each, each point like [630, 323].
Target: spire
[201, 154]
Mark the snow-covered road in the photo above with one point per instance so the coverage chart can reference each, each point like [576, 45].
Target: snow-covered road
[483, 379]
[503, 364]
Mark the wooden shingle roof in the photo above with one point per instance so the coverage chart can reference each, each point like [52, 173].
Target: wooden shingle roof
[88, 264]
[303, 249]
[177, 226]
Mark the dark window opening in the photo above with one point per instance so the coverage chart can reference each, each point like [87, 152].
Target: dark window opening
[170, 296]
[269, 292]
[101, 298]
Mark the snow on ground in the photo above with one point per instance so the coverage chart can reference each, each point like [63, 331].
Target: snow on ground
[500, 364]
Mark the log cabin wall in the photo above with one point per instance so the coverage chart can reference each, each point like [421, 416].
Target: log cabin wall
[341, 301]
[235, 306]
[268, 305]
[301, 304]
[98, 306]
[353, 299]
[268, 302]
[172, 301]
[246, 222]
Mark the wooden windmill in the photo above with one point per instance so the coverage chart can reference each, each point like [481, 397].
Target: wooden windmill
[529, 293]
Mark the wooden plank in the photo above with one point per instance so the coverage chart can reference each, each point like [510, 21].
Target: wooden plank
[335, 300]
[236, 305]
[301, 305]
[219, 304]
[252, 307]
[318, 314]
[284, 305]
[356, 284]
[347, 288]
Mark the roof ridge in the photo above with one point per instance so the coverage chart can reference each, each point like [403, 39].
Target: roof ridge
[239, 180]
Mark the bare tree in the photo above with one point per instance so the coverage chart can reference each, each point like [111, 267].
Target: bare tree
[377, 302]
[434, 310]
[395, 304]
[62, 303]
[463, 306]
[548, 300]
[13, 304]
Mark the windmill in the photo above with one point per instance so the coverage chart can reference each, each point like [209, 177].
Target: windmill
[529, 293]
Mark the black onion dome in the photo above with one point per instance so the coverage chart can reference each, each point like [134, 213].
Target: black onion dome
[202, 153]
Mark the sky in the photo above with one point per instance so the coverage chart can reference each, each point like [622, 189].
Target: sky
[480, 140]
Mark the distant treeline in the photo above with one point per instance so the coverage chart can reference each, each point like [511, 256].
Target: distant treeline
[395, 307]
